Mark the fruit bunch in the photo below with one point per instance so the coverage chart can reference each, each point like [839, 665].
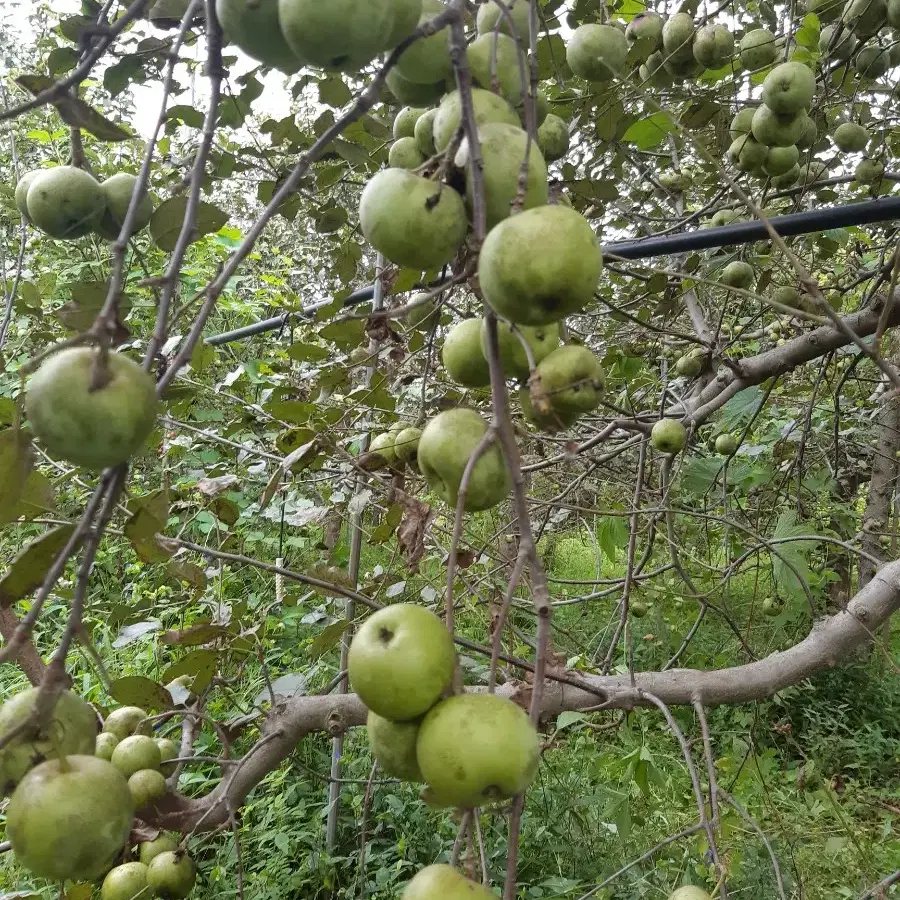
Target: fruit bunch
[75, 793]
[67, 203]
[469, 749]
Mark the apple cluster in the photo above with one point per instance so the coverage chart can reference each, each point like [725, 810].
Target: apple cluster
[469, 749]
[75, 793]
[67, 203]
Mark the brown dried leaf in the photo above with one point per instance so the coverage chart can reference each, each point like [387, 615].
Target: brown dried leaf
[417, 519]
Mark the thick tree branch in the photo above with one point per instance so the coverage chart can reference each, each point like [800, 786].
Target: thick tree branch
[828, 644]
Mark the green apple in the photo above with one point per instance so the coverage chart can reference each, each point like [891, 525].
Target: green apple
[495, 59]
[553, 138]
[21, 196]
[826, 10]
[341, 35]
[446, 445]
[475, 749]
[171, 876]
[678, 37]
[872, 61]
[789, 88]
[547, 419]
[868, 171]
[690, 365]
[491, 19]
[772, 607]
[758, 49]
[168, 750]
[65, 202]
[104, 745]
[415, 222]
[738, 274]
[405, 154]
[487, 107]
[406, 19]
[851, 137]
[409, 92]
[740, 124]
[539, 266]
[726, 444]
[401, 660]
[86, 424]
[68, 820]
[252, 26]
[383, 446]
[596, 52]
[147, 786]
[442, 882]
[683, 69]
[653, 72]
[788, 295]
[405, 122]
[644, 32]
[427, 60]
[72, 728]
[689, 892]
[135, 753]
[423, 133]
[463, 356]
[810, 134]
[781, 159]
[864, 17]
[406, 444]
[837, 42]
[542, 341]
[124, 721]
[638, 609]
[713, 46]
[674, 181]
[747, 153]
[393, 744]
[125, 882]
[774, 130]
[668, 436]
[149, 850]
[118, 190]
[503, 150]
[572, 380]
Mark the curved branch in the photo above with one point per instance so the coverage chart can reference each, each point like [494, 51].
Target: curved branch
[827, 645]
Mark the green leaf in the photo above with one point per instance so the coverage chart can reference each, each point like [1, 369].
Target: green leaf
[612, 535]
[651, 131]
[16, 462]
[38, 497]
[188, 115]
[88, 298]
[136, 690]
[28, 570]
[165, 226]
[62, 60]
[202, 664]
[149, 515]
[187, 572]
[333, 92]
[551, 56]
[569, 718]
[808, 35]
[740, 408]
[346, 333]
[794, 554]
[328, 638]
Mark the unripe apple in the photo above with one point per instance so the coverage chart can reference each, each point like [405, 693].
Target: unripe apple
[423, 133]
[124, 721]
[726, 444]
[135, 753]
[147, 786]
[171, 876]
[553, 138]
[789, 88]
[596, 52]
[405, 122]
[713, 46]
[446, 445]
[738, 274]
[668, 436]
[868, 171]
[463, 356]
[487, 107]
[780, 160]
[758, 49]
[475, 749]
[125, 882]
[393, 744]
[405, 154]
[401, 660]
[542, 341]
[442, 882]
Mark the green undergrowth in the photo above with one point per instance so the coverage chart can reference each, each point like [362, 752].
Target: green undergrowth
[817, 767]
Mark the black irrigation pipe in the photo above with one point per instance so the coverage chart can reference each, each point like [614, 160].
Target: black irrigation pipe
[863, 213]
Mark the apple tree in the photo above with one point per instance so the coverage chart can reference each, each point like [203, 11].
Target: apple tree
[336, 335]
